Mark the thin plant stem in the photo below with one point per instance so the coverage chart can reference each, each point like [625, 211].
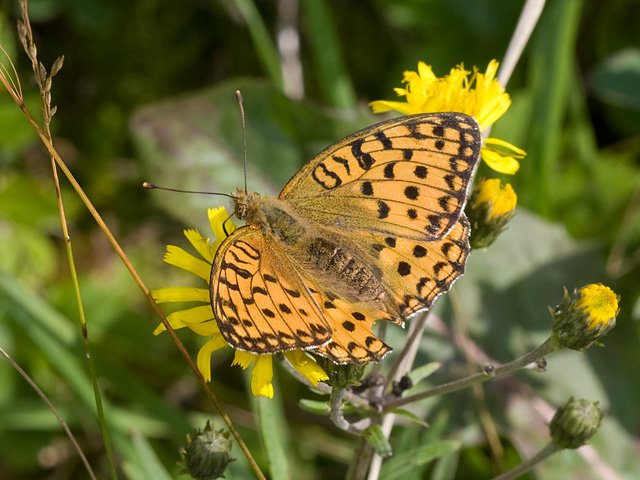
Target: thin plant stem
[134, 274]
[53, 409]
[361, 460]
[489, 373]
[262, 41]
[44, 82]
[527, 465]
[403, 365]
[526, 23]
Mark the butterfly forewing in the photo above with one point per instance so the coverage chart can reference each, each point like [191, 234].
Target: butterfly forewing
[406, 177]
[260, 303]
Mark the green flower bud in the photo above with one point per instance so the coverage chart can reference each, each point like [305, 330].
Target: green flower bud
[490, 208]
[574, 424]
[206, 456]
[341, 376]
[584, 316]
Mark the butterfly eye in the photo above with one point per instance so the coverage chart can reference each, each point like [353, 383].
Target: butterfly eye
[241, 210]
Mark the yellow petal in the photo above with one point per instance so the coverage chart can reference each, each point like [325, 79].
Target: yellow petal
[175, 319]
[502, 164]
[193, 315]
[506, 147]
[200, 243]
[187, 318]
[178, 257]
[181, 294]
[306, 366]
[261, 377]
[380, 106]
[243, 359]
[206, 328]
[425, 72]
[203, 359]
[217, 218]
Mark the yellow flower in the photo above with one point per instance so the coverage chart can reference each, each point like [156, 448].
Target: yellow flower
[474, 93]
[584, 316]
[200, 319]
[599, 303]
[490, 208]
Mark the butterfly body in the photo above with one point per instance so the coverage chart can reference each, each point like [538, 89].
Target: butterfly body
[329, 258]
[371, 229]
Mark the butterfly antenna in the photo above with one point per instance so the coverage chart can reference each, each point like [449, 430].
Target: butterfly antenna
[153, 186]
[244, 137]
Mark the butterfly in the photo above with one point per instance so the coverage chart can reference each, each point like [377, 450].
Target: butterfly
[371, 229]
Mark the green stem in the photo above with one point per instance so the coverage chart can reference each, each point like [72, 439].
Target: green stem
[262, 41]
[527, 465]
[489, 373]
[361, 460]
[337, 417]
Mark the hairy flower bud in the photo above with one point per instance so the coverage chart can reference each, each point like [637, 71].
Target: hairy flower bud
[490, 208]
[206, 456]
[575, 423]
[584, 316]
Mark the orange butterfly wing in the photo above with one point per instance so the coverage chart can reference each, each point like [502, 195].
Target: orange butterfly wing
[264, 303]
[407, 177]
[260, 303]
[417, 273]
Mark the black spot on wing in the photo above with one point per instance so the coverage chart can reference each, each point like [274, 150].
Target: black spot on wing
[404, 268]
[383, 209]
[365, 160]
[366, 188]
[388, 170]
[412, 192]
[420, 171]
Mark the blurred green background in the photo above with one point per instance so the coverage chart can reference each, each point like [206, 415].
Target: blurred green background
[146, 93]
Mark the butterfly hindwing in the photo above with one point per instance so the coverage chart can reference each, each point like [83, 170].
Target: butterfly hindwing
[353, 340]
[406, 177]
[416, 273]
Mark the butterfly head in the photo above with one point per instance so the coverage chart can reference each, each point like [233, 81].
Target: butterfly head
[246, 204]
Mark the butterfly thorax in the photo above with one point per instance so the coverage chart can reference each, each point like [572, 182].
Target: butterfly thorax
[268, 214]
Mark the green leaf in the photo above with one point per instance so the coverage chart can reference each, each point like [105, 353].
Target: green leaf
[423, 371]
[403, 463]
[315, 406]
[616, 79]
[376, 438]
[411, 416]
[149, 466]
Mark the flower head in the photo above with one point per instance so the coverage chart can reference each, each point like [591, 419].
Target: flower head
[199, 318]
[475, 93]
[575, 423]
[584, 316]
[490, 208]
